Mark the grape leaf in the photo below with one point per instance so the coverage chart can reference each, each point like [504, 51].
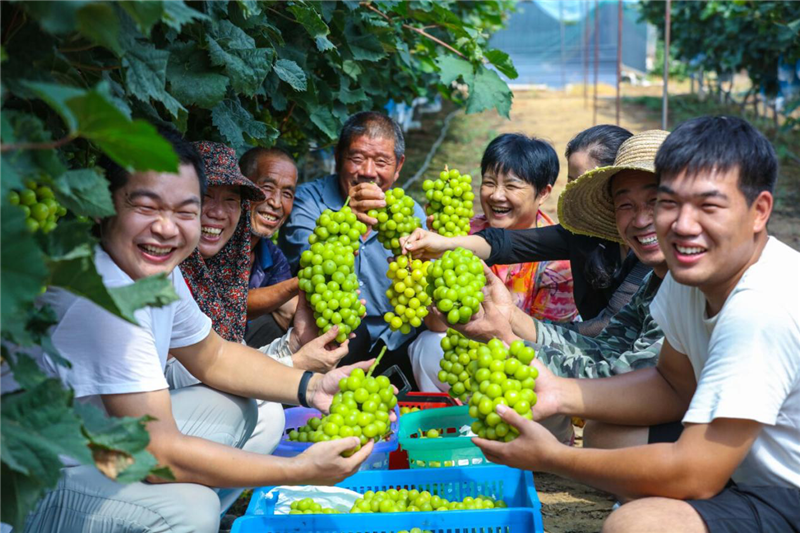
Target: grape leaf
[488, 91]
[146, 75]
[145, 14]
[451, 68]
[24, 273]
[288, 71]
[502, 62]
[177, 14]
[191, 79]
[100, 23]
[232, 120]
[84, 192]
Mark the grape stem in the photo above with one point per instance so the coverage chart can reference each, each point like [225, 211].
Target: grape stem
[377, 362]
[347, 201]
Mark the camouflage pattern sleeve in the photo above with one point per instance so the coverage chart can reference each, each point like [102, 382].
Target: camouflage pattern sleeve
[632, 340]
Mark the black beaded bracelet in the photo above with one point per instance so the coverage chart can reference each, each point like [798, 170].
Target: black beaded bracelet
[302, 388]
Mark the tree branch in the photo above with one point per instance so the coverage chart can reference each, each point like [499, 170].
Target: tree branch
[287, 117]
[412, 28]
[37, 146]
[90, 67]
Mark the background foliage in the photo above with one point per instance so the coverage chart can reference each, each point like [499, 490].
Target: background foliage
[83, 78]
[730, 36]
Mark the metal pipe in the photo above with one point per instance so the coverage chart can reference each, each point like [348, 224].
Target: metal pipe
[619, 56]
[665, 96]
[596, 58]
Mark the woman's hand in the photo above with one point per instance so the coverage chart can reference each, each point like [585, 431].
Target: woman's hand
[322, 353]
[424, 244]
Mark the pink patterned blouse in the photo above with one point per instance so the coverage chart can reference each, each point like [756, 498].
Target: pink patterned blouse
[542, 289]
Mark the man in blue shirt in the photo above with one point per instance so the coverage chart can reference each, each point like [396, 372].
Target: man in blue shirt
[369, 156]
[272, 299]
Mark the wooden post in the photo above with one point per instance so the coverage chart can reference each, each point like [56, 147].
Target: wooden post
[619, 56]
[665, 96]
[596, 58]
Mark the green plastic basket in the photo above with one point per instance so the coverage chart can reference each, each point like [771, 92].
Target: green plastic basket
[447, 450]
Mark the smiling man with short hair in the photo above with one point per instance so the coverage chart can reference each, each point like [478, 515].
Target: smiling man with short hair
[272, 299]
[729, 367]
[369, 157]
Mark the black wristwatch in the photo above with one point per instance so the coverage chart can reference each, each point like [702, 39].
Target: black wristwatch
[302, 388]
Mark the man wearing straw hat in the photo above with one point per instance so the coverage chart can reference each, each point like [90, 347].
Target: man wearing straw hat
[613, 203]
[729, 366]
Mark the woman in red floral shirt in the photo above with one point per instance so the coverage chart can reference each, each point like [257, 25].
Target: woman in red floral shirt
[518, 173]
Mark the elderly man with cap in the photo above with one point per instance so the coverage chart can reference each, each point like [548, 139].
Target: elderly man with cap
[614, 203]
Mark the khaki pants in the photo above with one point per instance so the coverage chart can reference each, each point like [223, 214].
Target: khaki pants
[86, 501]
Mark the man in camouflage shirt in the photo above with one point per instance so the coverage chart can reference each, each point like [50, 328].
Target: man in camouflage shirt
[613, 203]
[631, 340]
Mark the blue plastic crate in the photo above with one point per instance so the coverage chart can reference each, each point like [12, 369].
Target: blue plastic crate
[297, 417]
[514, 486]
[485, 521]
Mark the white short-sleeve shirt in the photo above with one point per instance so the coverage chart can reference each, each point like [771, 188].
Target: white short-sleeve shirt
[746, 359]
[110, 355]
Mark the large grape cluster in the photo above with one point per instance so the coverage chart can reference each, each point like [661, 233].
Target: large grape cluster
[455, 282]
[360, 409]
[501, 376]
[407, 293]
[309, 506]
[450, 202]
[409, 501]
[340, 227]
[41, 209]
[327, 272]
[327, 278]
[458, 363]
[396, 220]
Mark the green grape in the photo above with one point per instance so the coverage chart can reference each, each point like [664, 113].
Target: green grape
[396, 220]
[455, 282]
[450, 200]
[407, 294]
[354, 412]
[327, 272]
[309, 506]
[404, 500]
[39, 206]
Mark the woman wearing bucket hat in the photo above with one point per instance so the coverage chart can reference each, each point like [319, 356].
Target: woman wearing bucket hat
[603, 281]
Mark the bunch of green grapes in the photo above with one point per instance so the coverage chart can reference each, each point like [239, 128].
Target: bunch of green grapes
[450, 202]
[501, 376]
[396, 220]
[409, 501]
[459, 363]
[455, 281]
[406, 410]
[309, 506]
[408, 294]
[327, 278]
[360, 409]
[340, 227]
[41, 208]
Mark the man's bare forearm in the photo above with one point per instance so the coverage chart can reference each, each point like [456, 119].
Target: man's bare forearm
[237, 369]
[267, 299]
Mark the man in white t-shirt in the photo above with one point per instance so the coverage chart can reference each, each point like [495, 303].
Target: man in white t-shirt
[198, 431]
[729, 367]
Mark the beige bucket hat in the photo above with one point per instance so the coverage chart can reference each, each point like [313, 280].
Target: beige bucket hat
[586, 207]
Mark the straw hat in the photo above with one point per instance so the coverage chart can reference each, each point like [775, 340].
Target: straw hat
[586, 207]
